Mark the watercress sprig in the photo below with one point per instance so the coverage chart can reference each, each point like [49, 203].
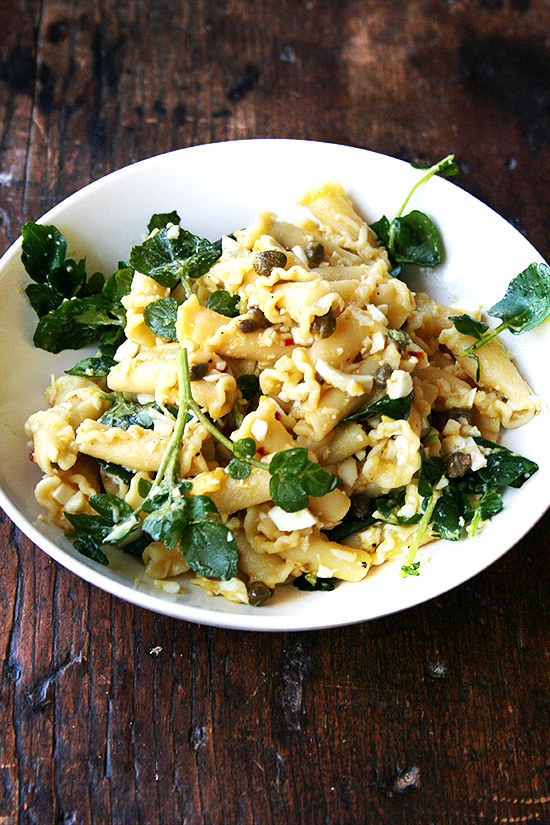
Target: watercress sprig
[413, 238]
[294, 477]
[525, 305]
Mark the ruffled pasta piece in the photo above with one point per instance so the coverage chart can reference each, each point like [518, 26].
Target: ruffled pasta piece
[138, 448]
[154, 371]
[144, 291]
[68, 491]
[393, 459]
[384, 542]
[340, 222]
[161, 562]
[81, 397]
[270, 568]
[496, 372]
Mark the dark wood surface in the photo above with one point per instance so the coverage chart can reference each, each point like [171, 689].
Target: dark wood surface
[111, 714]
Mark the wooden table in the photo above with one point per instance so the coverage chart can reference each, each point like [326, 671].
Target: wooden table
[111, 714]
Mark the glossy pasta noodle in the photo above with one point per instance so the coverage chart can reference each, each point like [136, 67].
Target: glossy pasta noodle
[327, 332]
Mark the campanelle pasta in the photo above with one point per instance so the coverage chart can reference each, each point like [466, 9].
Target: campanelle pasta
[327, 331]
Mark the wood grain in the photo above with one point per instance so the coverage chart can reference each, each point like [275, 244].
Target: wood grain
[111, 714]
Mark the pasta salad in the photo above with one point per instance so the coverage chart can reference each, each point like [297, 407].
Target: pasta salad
[277, 406]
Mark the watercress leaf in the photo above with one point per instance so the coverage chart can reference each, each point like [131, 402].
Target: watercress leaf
[43, 298]
[87, 525]
[504, 468]
[110, 507]
[61, 328]
[210, 549]
[43, 249]
[201, 507]
[387, 507]
[446, 168]
[224, 303]
[350, 525]
[396, 408]
[526, 303]
[489, 504]
[69, 278]
[158, 257]
[161, 220]
[446, 517]
[310, 582]
[161, 316]
[245, 448]
[122, 473]
[144, 487]
[381, 228]
[292, 461]
[93, 367]
[411, 569]
[317, 482]
[124, 413]
[136, 546]
[239, 469]
[204, 256]
[396, 271]
[91, 549]
[467, 325]
[168, 523]
[431, 470]
[416, 240]
[118, 284]
[249, 385]
[93, 285]
[288, 492]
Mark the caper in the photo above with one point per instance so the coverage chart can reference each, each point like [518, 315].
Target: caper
[264, 262]
[315, 252]
[360, 505]
[198, 371]
[382, 374]
[458, 464]
[324, 325]
[254, 321]
[258, 593]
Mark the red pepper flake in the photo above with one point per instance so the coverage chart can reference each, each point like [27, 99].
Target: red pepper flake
[31, 455]
[419, 355]
[277, 415]
[261, 451]
[289, 342]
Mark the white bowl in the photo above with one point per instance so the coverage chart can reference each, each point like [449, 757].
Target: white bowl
[216, 189]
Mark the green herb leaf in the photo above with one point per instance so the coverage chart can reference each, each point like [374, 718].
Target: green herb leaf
[504, 467]
[288, 492]
[161, 316]
[387, 507]
[168, 260]
[310, 582]
[161, 220]
[43, 250]
[249, 385]
[467, 325]
[43, 298]
[110, 507]
[350, 525]
[245, 448]
[169, 522]
[224, 303]
[396, 408]
[96, 367]
[118, 471]
[210, 549]
[414, 239]
[526, 303]
[294, 478]
[399, 337]
[124, 413]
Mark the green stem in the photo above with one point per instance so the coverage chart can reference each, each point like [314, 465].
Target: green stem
[212, 429]
[429, 173]
[420, 531]
[186, 286]
[485, 338]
